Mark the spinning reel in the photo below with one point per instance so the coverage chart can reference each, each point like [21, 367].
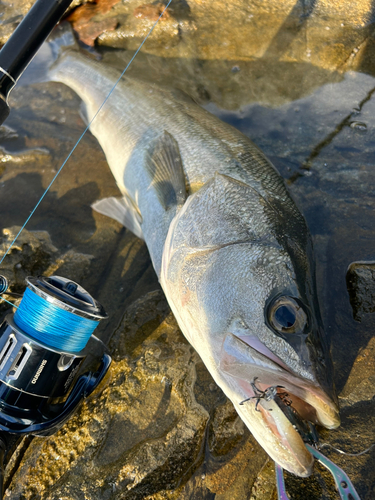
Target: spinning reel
[49, 358]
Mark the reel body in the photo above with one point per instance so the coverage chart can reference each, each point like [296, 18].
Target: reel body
[39, 388]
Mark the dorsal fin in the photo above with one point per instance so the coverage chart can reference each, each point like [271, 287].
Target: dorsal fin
[164, 166]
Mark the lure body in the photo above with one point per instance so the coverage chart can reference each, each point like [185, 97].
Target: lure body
[227, 243]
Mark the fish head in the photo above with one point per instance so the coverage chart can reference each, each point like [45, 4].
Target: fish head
[238, 273]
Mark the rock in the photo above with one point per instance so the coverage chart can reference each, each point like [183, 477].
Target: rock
[330, 36]
[360, 385]
[233, 477]
[31, 254]
[319, 485]
[264, 486]
[34, 254]
[226, 429]
[12, 15]
[360, 281]
[316, 40]
[13, 12]
[152, 12]
[85, 20]
[71, 264]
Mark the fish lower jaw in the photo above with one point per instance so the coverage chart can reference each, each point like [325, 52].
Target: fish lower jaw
[277, 436]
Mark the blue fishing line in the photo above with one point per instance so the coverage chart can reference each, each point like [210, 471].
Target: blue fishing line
[7, 301]
[51, 325]
[84, 132]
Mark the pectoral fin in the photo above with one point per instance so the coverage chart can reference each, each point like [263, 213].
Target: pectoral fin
[122, 210]
[164, 166]
[83, 113]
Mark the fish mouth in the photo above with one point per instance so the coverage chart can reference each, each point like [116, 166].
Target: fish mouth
[274, 395]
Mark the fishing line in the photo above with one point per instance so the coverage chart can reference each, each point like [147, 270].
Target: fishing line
[53, 325]
[84, 132]
[7, 301]
[327, 445]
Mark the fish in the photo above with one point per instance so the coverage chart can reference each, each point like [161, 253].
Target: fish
[231, 250]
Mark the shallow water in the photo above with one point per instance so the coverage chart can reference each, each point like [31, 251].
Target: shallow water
[317, 125]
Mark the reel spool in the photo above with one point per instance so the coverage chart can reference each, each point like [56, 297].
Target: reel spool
[42, 349]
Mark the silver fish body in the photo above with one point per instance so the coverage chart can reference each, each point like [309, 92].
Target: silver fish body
[230, 248]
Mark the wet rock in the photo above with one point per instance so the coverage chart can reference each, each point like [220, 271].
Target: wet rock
[71, 263]
[151, 11]
[323, 34]
[360, 384]
[320, 485]
[360, 281]
[34, 254]
[226, 429]
[12, 13]
[85, 20]
[264, 486]
[267, 41]
[331, 36]
[21, 157]
[233, 478]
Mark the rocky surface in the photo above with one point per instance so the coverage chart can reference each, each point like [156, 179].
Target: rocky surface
[158, 427]
[33, 254]
[229, 53]
[360, 280]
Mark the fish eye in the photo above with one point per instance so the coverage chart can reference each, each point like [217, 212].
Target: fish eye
[286, 315]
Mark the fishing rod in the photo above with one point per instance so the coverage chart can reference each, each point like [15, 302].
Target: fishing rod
[24, 43]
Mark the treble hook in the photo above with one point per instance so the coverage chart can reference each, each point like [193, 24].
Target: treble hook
[269, 394]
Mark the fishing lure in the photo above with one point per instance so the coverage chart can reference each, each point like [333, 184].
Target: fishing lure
[306, 430]
[267, 394]
[309, 436]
